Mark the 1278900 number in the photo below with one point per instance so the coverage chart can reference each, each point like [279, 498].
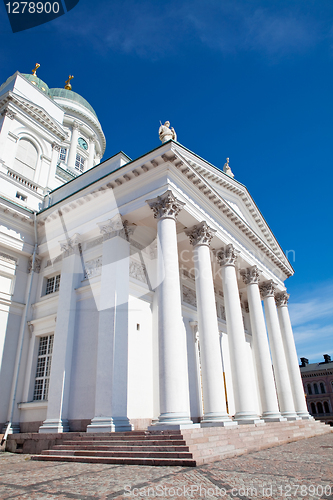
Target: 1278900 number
[32, 7]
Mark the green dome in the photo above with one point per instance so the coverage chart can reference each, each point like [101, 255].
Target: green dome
[71, 96]
[37, 82]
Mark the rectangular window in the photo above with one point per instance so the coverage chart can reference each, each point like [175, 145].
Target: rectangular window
[52, 284]
[42, 380]
[62, 154]
[79, 162]
[21, 196]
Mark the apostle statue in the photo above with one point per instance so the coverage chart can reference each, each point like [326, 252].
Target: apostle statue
[166, 133]
[227, 169]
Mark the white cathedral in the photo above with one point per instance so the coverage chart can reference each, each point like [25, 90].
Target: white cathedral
[135, 294]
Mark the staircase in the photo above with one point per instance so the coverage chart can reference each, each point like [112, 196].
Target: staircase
[131, 448]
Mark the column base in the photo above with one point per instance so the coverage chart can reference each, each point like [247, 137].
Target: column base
[273, 417]
[110, 424]
[172, 421]
[247, 418]
[304, 415]
[217, 420]
[52, 426]
[290, 415]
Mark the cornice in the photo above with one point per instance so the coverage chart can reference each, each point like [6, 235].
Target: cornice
[35, 112]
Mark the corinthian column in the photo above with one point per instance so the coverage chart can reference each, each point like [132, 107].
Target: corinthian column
[211, 364]
[282, 381]
[269, 403]
[236, 335]
[174, 393]
[281, 300]
[92, 142]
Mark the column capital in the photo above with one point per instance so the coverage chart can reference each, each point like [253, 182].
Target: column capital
[76, 125]
[56, 146]
[9, 113]
[267, 289]
[227, 256]
[200, 234]
[281, 299]
[250, 275]
[93, 138]
[69, 245]
[116, 227]
[166, 206]
[37, 266]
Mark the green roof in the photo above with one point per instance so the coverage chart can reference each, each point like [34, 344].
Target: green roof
[37, 81]
[71, 96]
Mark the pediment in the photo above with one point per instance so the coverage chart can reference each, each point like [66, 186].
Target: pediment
[236, 196]
[36, 112]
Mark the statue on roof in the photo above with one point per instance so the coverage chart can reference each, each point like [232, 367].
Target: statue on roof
[166, 133]
[227, 169]
[68, 83]
[35, 69]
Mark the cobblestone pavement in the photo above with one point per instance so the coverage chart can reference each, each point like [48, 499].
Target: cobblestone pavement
[300, 470]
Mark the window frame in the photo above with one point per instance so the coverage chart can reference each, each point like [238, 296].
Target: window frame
[43, 365]
[49, 288]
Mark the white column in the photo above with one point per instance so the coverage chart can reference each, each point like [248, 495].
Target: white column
[174, 391]
[211, 364]
[285, 398]
[281, 300]
[236, 335]
[112, 350]
[58, 399]
[262, 355]
[73, 147]
[53, 166]
[91, 157]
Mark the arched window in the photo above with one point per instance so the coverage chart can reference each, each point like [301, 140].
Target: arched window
[326, 407]
[313, 409]
[26, 159]
[322, 388]
[320, 408]
[309, 389]
[315, 386]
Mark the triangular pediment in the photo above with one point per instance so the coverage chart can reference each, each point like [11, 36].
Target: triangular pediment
[236, 196]
[36, 112]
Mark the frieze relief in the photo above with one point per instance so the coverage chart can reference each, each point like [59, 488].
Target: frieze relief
[189, 296]
[138, 271]
[93, 268]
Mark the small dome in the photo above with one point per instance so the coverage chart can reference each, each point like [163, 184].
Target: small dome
[71, 96]
[37, 81]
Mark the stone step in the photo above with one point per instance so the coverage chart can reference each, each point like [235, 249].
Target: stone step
[120, 447]
[119, 437]
[118, 460]
[117, 454]
[128, 442]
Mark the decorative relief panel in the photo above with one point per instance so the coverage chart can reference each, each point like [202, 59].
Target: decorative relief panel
[93, 268]
[189, 296]
[138, 271]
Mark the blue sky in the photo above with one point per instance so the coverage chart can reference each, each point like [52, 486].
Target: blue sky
[247, 79]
